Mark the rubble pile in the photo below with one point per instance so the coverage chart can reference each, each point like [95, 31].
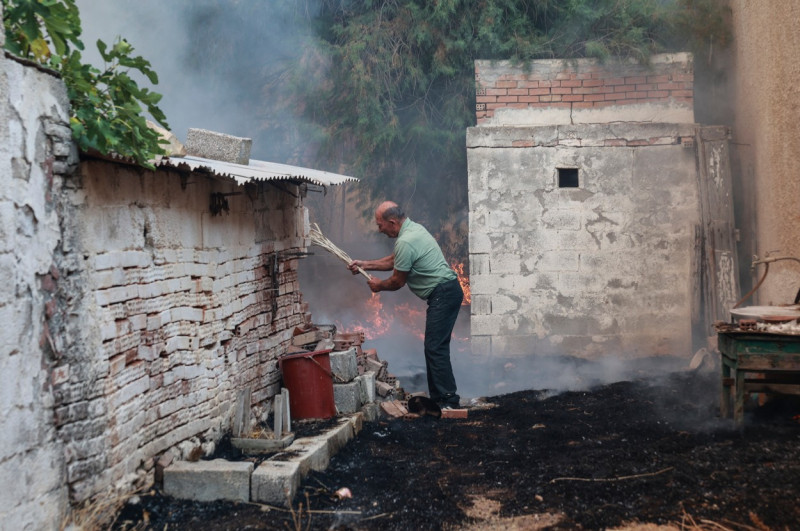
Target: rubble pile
[370, 377]
[314, 338]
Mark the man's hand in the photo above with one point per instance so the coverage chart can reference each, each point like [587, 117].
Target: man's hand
[374, 284]
[353, 266]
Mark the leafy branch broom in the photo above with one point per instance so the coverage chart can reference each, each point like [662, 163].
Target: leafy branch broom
[317, 238]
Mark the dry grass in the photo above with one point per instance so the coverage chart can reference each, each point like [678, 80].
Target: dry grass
[96, 514]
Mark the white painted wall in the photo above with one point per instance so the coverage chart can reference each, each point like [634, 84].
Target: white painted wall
[34, 152]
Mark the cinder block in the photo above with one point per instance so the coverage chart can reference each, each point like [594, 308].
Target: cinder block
[344, 365]
[275, 482]
[208, 480]
[218, 146]
[310, 454]
[347, 397]
[366, 388]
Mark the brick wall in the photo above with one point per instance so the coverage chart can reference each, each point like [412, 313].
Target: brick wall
[582, 85]
[174, 312]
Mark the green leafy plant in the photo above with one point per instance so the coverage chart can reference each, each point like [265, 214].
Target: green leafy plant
[107, 106]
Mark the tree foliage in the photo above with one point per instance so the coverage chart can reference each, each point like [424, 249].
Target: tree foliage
[107, 106]
[400, 92]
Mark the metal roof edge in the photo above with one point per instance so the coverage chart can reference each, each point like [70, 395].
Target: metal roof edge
[256, 170]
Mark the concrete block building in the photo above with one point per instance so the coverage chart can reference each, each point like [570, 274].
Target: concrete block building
[587, 186]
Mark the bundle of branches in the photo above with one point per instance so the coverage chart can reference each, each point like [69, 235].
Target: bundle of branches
[317, 238]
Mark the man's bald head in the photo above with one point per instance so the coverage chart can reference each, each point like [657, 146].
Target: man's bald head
[389, 210]
[389, 217]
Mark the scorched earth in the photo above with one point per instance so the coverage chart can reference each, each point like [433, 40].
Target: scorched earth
[648, 451]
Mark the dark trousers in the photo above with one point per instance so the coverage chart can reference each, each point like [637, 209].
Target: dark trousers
[444, 304]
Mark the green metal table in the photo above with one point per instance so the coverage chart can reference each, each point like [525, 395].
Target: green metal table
[756, 362]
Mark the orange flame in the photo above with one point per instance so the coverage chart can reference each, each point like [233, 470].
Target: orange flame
[378, 321]
[463, 279]
[375, 325]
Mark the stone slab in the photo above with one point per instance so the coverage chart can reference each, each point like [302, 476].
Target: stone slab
[347, 397]
[218, 146]
[344, 365]
[217, 479]
[262, 446]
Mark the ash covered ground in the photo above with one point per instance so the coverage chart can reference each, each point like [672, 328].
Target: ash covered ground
[640, 451]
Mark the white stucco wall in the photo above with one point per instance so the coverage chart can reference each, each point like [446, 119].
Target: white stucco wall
[34, 151]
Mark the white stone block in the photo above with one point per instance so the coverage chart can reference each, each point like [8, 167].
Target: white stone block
[217, 479]
[507, 263]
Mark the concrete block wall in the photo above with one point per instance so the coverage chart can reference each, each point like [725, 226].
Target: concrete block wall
[585, 91]
[604, 268]
[35, 156]
[177, 310]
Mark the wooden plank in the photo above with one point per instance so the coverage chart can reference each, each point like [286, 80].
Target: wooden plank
[287, 413]
[241, 416]
[278, 416]
[720, 261]
[785, 389]
[306, 337]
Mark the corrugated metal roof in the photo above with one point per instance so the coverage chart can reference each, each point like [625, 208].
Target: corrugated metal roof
[256, 170]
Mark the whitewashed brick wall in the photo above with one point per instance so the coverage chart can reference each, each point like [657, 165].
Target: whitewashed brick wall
[178, 310]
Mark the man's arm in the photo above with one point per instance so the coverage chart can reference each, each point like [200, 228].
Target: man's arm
[381, 264]
[393, 283]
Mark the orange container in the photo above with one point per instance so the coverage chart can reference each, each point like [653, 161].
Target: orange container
[308, 378]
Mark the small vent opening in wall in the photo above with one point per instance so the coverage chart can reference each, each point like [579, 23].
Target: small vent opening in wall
[567, 177]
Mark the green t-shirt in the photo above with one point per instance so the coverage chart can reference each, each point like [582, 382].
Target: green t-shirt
[416, 252]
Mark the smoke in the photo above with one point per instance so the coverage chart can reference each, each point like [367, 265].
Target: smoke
[222, 65]
[225, 66]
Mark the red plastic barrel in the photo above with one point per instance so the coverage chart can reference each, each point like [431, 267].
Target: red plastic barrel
[308, 378]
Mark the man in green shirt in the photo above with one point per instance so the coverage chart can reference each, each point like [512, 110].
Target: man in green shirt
[418, 261]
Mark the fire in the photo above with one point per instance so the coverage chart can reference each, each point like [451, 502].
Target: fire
[375, 325]
[463, 279]
[380, 321]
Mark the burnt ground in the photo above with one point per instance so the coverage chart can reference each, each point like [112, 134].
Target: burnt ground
[640, 451]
